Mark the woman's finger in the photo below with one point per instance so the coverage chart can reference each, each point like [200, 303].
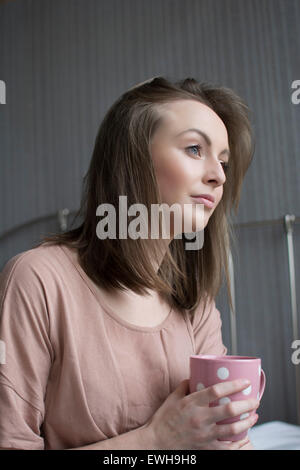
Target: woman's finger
[230, 445]
[215, 392]
[223, 430]
[232, 409]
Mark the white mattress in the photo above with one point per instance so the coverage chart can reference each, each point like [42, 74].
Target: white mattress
[275, 435]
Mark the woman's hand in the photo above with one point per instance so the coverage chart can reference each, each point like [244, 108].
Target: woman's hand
[247, 446]
[185, 420]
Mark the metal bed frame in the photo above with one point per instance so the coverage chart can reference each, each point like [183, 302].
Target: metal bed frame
[287, 221]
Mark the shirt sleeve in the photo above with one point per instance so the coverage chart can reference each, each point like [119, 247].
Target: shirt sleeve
[25, 366]
[207, 330]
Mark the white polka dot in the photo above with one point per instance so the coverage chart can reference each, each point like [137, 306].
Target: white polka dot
[200, 386]
[247, 390]
[244, 416]
[224, 400]
[223, 373]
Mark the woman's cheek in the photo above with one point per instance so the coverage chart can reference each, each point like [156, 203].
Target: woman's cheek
[170, 182]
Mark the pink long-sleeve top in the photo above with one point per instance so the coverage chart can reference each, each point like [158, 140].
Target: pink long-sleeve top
[74, 372]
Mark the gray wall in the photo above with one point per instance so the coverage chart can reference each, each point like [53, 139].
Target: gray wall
[64, 62]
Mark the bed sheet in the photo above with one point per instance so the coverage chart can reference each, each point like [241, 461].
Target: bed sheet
[275, 435]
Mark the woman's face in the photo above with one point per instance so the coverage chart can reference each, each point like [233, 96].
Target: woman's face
[183, 172]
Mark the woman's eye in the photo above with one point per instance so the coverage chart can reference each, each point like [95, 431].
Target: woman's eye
[225, 166]
[197, 147]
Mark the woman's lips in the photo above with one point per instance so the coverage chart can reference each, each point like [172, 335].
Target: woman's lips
[203, 200]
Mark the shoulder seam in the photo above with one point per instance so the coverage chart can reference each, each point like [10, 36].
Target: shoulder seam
[21, 256]
[2, 299]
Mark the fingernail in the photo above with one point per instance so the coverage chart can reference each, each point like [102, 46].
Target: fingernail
[246, 381]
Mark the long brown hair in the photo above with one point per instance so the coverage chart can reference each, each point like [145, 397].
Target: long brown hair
[121, 164]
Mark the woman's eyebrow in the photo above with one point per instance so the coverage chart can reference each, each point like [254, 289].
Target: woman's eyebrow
[205, 136]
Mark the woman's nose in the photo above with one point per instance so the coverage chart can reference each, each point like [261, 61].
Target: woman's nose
[213, 170]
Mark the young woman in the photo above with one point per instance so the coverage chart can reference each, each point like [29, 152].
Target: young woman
[98, 331]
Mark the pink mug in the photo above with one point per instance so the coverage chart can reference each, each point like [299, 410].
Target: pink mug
[207, 370]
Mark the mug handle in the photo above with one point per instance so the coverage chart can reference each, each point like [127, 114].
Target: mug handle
[262, 383]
